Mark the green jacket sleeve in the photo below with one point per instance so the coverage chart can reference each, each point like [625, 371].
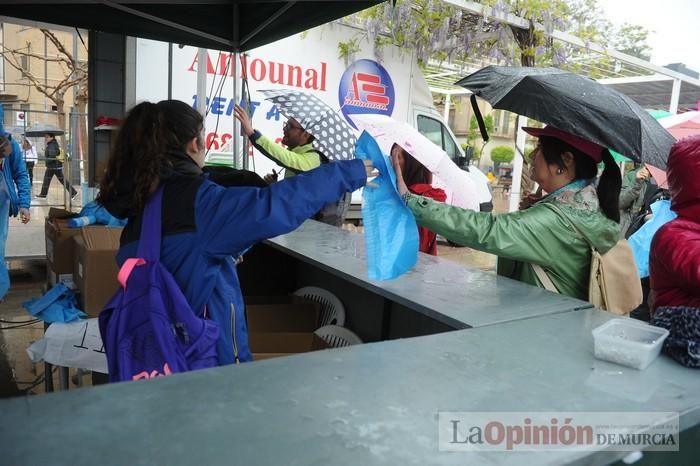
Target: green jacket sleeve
[297, 161]
[528, 235]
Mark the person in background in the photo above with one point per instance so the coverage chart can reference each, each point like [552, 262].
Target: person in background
[541, 236]
[419, 181]
[30, 158]
[634, 187]
[299, 156]
[54, 167]
[205, 225]
[14, 196]
[674, 259]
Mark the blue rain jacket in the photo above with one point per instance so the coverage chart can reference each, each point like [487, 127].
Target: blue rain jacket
[200, 252]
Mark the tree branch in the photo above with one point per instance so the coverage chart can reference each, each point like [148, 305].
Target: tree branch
[59, 46]
[32, 55]
[37, 84]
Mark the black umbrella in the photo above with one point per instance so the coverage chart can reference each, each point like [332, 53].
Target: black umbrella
[575, 104]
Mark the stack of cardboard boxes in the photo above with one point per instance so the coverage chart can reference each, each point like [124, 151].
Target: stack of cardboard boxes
[83, 257]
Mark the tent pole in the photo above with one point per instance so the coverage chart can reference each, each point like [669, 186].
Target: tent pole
[202, 58]
[240, 158]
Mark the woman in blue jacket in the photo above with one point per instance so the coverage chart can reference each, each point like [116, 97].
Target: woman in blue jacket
[14, 196]
[204, 225]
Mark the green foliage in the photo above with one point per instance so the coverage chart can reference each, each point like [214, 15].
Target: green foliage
[502, 154]
[632, 40]
[347, 50]
[438, 31]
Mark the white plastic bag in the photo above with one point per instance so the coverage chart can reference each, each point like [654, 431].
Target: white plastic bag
[75, 344]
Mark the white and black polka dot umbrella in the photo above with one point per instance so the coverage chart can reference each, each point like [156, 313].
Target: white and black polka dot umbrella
[332, 134]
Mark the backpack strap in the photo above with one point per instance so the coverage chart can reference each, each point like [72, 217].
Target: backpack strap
[149, 241]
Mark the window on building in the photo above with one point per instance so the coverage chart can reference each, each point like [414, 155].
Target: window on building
[24, 64]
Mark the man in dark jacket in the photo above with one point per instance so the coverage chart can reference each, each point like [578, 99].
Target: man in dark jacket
[54, 167]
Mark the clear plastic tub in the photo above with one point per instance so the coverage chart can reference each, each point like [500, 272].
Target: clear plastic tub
[628, 342]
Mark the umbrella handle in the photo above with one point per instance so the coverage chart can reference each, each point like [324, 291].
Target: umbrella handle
[479, 119]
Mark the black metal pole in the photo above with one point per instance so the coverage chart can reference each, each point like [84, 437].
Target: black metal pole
[170, 70]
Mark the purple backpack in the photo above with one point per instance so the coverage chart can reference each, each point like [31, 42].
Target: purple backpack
[148, 327]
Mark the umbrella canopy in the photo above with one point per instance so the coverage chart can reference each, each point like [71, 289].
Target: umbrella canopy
[674, 120]
[40, 130]
[333, 136]
[575, 104]
[457, 184]
[659, 176]
[684, 130]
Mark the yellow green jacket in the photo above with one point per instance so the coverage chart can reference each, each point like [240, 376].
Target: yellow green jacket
[538, 235]
[299, 159]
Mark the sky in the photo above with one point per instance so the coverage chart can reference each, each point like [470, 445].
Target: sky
[675, 25]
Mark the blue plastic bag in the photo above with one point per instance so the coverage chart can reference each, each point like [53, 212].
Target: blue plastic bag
[94, 213]
[640, 241]
[57, 305]
[391, 233]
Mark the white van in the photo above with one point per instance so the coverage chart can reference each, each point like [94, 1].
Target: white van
[309, 62]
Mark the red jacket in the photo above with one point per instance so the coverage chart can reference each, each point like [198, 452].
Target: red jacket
[428, 239]
[674, 261]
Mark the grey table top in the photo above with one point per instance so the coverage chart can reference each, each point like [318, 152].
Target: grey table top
[368, 404]
[459, 296]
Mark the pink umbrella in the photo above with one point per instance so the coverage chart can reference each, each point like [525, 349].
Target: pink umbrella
[683, 130]
[454, 181]
[659, 176]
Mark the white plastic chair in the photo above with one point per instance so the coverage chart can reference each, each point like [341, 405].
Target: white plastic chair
[337, 337]
[332, 310]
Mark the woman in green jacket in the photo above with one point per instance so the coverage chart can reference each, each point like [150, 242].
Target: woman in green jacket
[556, 232]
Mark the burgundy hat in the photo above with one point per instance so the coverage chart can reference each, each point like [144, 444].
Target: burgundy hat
[589, 148]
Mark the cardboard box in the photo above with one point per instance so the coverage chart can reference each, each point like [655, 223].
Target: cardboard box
[59, 243]
[282, 325]
[95, 267]
[300, 317]
[277, 344]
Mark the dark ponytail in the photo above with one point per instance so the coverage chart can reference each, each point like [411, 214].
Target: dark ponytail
[146, 135]
[609, 188]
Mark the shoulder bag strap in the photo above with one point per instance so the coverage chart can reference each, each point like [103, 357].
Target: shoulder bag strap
[544, 278]
[149, 242]
[554, 208]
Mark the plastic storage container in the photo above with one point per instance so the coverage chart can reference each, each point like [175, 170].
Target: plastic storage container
[628, 342]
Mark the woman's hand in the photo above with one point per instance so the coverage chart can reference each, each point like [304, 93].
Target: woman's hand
[242, 116]
[400, 183]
